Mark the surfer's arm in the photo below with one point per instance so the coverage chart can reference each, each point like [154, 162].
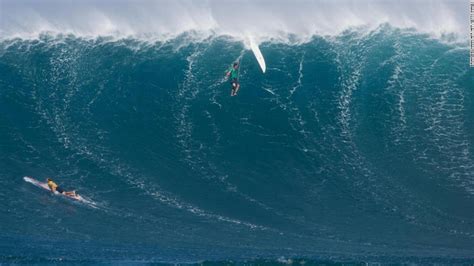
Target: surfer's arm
[228, 72]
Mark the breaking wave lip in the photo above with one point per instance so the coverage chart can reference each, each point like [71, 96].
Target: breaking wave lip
[283, 21]
[185, 38]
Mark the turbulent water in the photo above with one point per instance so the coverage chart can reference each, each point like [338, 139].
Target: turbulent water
[357, 147]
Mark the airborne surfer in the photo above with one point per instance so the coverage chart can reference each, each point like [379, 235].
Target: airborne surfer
[54, 187]
[233, 73]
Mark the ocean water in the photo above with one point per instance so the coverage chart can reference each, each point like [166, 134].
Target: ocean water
[352, 148]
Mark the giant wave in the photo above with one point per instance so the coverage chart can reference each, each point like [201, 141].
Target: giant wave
[352, 147]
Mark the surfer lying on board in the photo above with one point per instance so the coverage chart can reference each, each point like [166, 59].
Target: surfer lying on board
[233, 73]
[54, 187]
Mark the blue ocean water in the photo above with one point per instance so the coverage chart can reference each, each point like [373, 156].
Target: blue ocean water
[353, 148]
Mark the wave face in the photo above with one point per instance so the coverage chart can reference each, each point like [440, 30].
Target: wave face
[357, 147]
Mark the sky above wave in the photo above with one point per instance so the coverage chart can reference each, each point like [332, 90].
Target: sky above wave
[260, 18]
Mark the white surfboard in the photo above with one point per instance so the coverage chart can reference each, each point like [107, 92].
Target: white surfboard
[45, 186]
[258, 54]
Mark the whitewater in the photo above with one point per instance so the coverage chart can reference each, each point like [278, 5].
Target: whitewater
[355, 145]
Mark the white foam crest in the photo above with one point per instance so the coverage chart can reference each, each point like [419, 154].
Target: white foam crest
[263, 20]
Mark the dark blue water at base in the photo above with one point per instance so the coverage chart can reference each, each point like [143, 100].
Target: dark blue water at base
[356, 148]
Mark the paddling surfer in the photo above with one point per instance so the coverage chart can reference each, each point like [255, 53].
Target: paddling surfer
[54, 187]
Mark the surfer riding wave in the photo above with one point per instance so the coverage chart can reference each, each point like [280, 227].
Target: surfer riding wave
[233, 73]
